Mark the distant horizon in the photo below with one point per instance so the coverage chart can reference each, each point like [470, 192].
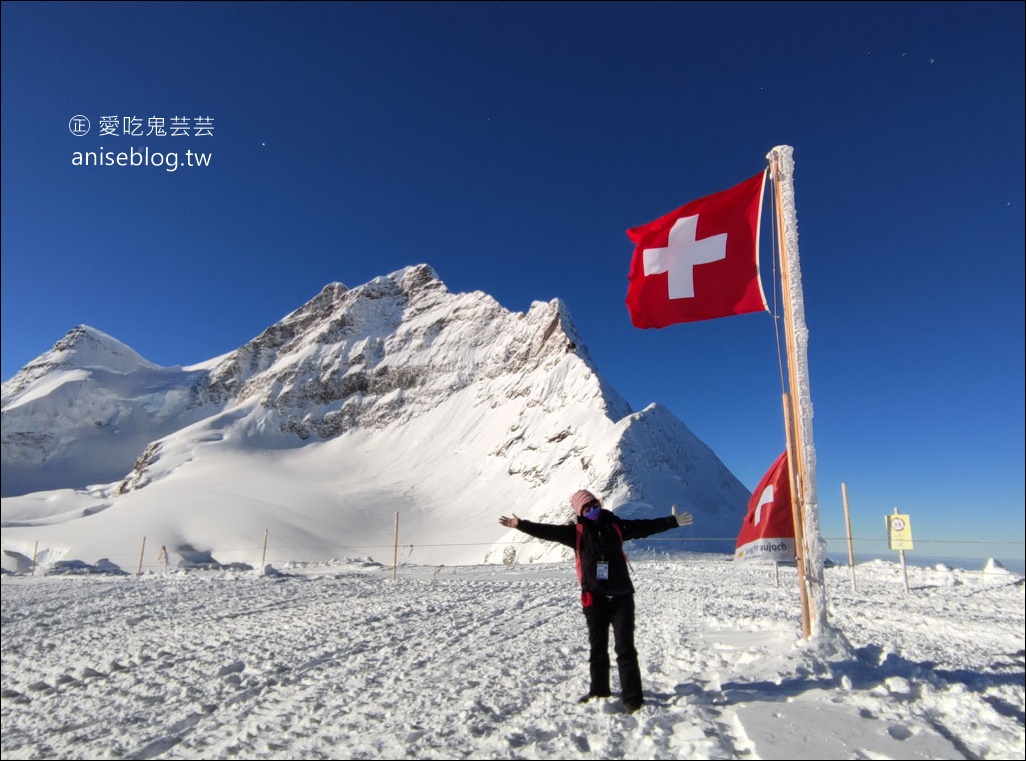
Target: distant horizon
[1015, 566]
[839, 556]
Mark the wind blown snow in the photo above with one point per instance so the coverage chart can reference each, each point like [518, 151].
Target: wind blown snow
[340, 660]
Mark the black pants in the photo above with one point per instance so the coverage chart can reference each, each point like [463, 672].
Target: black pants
[617, 612]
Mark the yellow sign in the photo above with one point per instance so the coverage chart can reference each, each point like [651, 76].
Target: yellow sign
[899, 532]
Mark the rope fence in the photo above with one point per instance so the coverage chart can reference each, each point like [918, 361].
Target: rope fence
[160, 558]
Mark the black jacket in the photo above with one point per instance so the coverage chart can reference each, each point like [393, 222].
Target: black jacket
[600, 542]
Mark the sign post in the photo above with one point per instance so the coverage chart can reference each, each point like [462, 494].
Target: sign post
[899, 537]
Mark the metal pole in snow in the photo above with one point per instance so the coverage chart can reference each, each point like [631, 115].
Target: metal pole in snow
[904, 568]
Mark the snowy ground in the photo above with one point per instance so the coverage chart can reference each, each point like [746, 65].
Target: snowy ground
[340, 661]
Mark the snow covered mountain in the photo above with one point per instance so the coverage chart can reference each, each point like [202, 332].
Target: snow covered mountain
[396, 397]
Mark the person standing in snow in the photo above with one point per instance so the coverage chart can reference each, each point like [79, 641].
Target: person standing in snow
[607, 594]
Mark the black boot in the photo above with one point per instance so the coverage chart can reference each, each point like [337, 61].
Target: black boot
[633, 705]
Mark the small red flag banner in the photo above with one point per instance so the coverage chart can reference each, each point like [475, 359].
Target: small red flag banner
[767, 534]
[699, 262]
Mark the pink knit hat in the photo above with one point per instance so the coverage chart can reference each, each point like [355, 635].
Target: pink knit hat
[581, 499]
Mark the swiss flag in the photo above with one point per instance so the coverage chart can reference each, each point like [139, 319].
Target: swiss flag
[700, 261]
[768, 531]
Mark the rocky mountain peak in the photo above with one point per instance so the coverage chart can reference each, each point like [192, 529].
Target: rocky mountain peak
[388, 349]
[397, 394]
[82, 348]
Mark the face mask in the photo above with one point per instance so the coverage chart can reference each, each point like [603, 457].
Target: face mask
[593, 513]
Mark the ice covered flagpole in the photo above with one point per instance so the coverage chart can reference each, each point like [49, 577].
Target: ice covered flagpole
[814, 549]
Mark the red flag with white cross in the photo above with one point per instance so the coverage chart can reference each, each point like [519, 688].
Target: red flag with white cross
[699, 262]
[767, 533]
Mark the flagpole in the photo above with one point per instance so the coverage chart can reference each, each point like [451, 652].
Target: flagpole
[796, 515]
[811, 555]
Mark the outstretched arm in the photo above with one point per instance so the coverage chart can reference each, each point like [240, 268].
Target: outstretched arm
[548, 531]
[640, 528]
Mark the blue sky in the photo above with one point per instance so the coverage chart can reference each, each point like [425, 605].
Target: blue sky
[510, 145]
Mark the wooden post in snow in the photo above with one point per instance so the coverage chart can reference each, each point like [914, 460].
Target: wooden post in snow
[142, 552]
[847, 524]
[797, 335]
[395, 549]
[796, 516]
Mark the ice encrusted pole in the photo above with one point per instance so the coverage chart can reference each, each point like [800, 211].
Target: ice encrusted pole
[782, 166]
